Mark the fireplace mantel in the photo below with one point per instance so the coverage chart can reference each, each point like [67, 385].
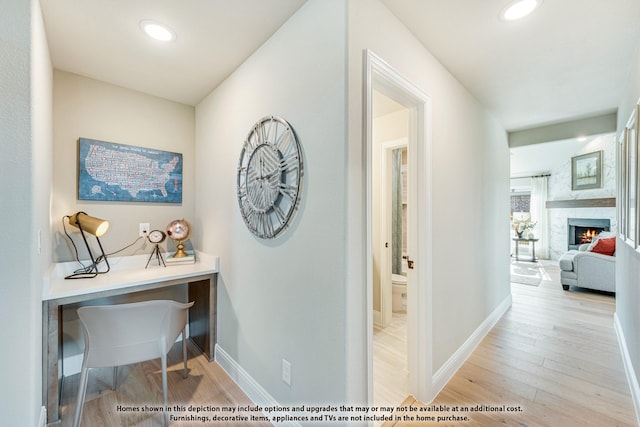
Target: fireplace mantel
[609, 202]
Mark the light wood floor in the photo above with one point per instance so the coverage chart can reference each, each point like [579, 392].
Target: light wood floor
[141, 384]
[554, 354]
[390, 375]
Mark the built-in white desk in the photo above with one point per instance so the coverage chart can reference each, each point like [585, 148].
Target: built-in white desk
[127, 275]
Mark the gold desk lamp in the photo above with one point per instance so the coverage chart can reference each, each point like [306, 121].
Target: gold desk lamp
[97, 227]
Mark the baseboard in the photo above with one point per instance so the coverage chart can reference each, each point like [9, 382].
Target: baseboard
[249, 386]
[42, 422]
[451, 366]
[377, 317]
[632, 378]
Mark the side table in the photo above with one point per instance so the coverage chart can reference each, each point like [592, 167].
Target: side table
[532, 242]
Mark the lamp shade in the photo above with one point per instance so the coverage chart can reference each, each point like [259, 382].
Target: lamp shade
[96, 226]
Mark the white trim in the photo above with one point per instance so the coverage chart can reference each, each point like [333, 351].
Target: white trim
[451, 366]
[377, 317]
[249, 386]
[42, 422]
[632, 378]
[384, 78]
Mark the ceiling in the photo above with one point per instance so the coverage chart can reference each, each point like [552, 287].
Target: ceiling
[544, 158]
[564, 61]
[213, 38]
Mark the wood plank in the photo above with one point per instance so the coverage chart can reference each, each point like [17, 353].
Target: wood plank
[141, 385]
[555, 354]
[605, 202]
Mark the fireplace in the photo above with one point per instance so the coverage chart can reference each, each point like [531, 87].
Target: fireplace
[583, 230]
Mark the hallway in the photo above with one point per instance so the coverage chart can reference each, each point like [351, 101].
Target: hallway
[555, 354]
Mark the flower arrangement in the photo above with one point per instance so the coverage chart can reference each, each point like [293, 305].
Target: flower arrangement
[522, 226]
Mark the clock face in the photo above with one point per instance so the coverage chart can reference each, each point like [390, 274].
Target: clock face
[156, 236]
[269, 175]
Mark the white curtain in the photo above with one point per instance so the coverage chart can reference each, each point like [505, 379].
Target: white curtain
[539, 215]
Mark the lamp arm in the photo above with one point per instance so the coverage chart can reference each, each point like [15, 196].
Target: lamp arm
[92, 270]
[104, 257]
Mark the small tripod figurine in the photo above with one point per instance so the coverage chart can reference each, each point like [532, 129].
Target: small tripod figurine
[157, 237]
[158, 254]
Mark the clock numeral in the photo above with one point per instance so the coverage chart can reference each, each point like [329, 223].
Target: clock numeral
[280, 215]
[284, 142]
[267, 226]
[252, 220]
[275, 126]
[255, 221]
[289, 163]
[269, 130]
[257, 133]
[248, 145]
[248, 213]
[242, 193]
[263, 133]
[288, 190]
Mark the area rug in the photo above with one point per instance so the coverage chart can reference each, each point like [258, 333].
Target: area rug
[526, 273]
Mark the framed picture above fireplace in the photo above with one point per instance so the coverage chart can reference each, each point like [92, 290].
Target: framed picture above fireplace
[586, 171]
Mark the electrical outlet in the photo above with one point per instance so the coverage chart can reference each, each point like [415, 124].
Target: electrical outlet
[286, 372]
[143, 229]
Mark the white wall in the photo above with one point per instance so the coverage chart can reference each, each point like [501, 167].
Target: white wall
[627, 259]
[88, 108]
[25, 165]
[282, 298]
[470, 200]
[84, 107]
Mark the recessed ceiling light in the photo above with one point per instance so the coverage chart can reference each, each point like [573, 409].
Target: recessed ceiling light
[157, 30]
[519, 9]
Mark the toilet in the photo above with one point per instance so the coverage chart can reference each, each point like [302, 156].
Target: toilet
[399, 298]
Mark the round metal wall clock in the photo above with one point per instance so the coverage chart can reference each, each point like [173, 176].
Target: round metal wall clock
[269, 177]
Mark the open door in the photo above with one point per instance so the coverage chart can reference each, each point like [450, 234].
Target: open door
[382, 78]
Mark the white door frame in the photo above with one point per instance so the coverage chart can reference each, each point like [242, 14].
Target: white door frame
[382, 77]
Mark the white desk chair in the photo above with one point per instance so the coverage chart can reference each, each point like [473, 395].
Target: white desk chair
[116, 335]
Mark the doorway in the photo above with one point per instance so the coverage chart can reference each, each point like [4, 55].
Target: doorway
[382, 83]
[390, 247]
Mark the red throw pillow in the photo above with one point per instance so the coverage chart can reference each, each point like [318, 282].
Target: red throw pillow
[605, 246]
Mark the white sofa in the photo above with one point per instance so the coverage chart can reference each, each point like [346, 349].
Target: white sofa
[588, 270]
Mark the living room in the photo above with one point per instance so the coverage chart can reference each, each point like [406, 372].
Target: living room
[552, 163]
